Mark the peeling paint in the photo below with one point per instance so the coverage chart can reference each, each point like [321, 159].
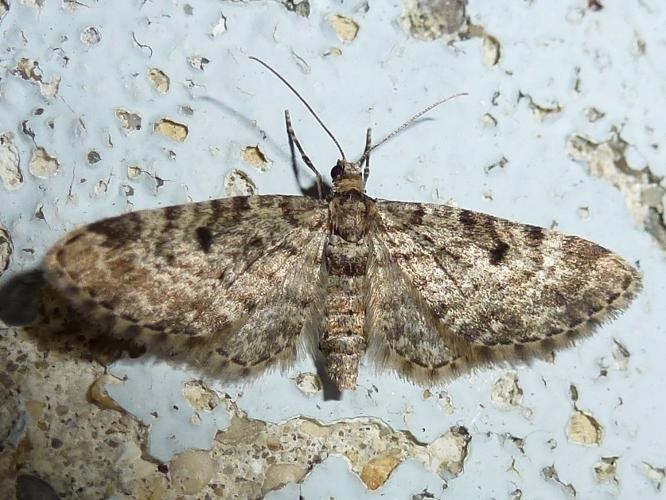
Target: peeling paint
[301, 7]
[308, 383]
[198, 62]
[160, 80]
[541, 111]
[491, 51]
[433, 19]
[255, 157]
[42, 164]
[593, 114]
[621, 355]
[172, 129]
[91, 36]
[373, 448]
[345, 27]
[133, 171]
[584, 429]
[506, 392]
[29, 70]
[200, 396]
[550, 473]
[238, 183]
[448, 453]
[10, 161]
[605, 470]
[656, 475]
[642, 189]
[220, 27]
[129, 122]
[93, 157]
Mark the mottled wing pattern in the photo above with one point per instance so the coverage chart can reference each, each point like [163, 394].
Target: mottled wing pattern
[403, 333]
[495, 289]
[232, 281]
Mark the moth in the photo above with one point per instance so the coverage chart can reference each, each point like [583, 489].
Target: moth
[428, 291]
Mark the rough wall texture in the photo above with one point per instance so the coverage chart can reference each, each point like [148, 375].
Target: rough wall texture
[106, 109]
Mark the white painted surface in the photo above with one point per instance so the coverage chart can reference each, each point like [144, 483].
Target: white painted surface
[381, 78]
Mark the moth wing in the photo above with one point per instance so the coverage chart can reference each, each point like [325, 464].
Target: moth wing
[501, 289]
[404, 335]
[234, 281]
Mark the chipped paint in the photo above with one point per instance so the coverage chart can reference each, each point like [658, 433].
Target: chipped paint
[198, 62]
[492, 51]
[642, 189]
[93, 157]
[129, 121]
[133, 171]
[621, 355]
[238, 183]
[541, 111]
[447, 454]
[605, 470]
[160, 80]
[172, 129]
[254, 156]
[550, 473]
[10, 163]
[91, 36]
[42, 164]
[656, 475]
[584, 429]
[433, 19]
[220, 27]
[506, 392]
[29, 70]
[308, 383]
[345, 27]
[301, 7]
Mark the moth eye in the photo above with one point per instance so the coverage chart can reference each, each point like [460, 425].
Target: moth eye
[336, 172]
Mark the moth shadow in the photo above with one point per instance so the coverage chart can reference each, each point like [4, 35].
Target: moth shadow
[309, 189]
[28, 302]
[19, 298]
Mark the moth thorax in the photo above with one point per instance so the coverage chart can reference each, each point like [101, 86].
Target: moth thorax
[349, 213]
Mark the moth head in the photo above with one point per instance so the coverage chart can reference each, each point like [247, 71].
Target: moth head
[347, 174]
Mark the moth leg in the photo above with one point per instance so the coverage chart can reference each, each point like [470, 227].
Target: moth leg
[366, 155]
[293, 140]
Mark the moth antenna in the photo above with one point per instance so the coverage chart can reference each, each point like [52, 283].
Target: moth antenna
[409, 123]
[283, 80]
